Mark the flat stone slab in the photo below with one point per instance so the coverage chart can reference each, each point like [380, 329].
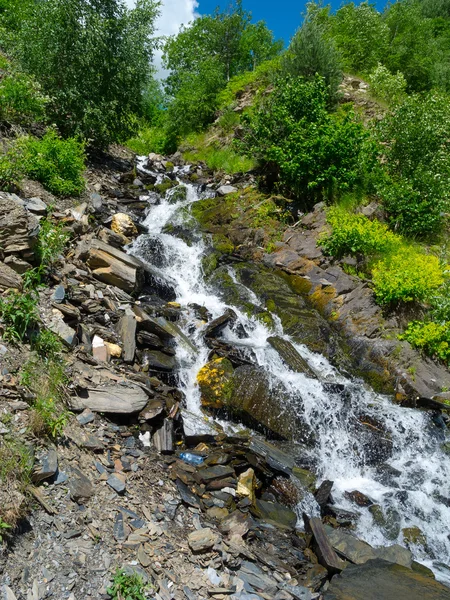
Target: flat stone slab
[114, 399]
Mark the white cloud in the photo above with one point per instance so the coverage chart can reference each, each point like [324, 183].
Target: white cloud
[174, 13]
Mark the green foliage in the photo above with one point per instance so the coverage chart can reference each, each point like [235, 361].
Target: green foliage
[386, 86]
[361, 36]
[19, 314]
[311, 154]
[127, 586]
[58, 164]
[356, 234]
[406, 277]
[93, 59]
[47, 344]
[440, 303]
[312, 53]
[217, 158]
[206, 55]
[432, 338]
[52, 240]
[46, 379]
[21, 99]
[10, 170]
[416, 149]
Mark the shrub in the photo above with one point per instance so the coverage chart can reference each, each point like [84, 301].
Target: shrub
[416, 148]
[153, 139]
[47, 344]
[21, 99]
[309, 153]
[58, 164]
[386, 86]
[440, 304]
[10, 170]
[432, 338]
[406, 276]
[356, 234]
[51, 241]
[19, 314]
[16, 463]
[220, 158]
[127, 586]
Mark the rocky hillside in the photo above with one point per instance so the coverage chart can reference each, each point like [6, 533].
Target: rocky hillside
[129, 479]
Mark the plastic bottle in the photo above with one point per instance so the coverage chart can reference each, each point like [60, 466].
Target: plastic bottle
[191, 459]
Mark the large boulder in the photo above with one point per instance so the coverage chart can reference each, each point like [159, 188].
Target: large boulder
[18, 227]
[378, 579]
[112, 266]
[126, 398]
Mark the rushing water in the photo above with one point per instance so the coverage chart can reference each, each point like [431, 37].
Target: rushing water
[417, 496]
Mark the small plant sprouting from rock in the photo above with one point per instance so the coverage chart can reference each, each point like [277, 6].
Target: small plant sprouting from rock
[19, 314]
[127, 587]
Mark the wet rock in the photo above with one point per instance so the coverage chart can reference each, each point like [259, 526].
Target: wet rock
[291, 357]
[305, 477]
[123, 224]
[116, 399]
[378, 579]
[9, 279]
[275, 513]
[215, 327]
[46, 466]
[286, 491]
[344, 518]
[127, 332]
[414, 536]
[276, 459]
[154, 360]
[202, 540]
[214, 380]
[323, 493]
[156, 326]
[358, 498]
[395, 554]
[389, 522]
[196, 429]
[322, 546]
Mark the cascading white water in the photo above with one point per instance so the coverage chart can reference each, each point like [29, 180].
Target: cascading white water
[418, 496]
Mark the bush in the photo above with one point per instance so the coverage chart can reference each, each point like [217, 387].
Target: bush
[432, 338]
[19, 314]
[51, 241]
[356, 234]
[152, 139]
[386, 86]
[21, 99]
[47, 344]
[309, 153]
[217, 158]
[10, 170]
[58, 164]
[406, 276]
[416, 149]
[127, 586]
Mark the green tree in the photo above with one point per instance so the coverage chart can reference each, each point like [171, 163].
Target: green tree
[92, 57]
[310, 153]
[312, 53]
[361, 36]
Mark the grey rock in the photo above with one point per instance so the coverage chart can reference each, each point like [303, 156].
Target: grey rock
[9, 279]
[154, 360]
[87, 416]
[46, 467]
[80, 486]
[117, 484]
[196, 429]
[224, 190]
[96, 202]
[124, 398]
[36, 206]
[63, 331]
[59, 294]
[127, 332]
[7, 593]
[18, 227]
[290, 356]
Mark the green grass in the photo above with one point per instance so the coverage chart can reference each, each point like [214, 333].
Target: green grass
[217, 158]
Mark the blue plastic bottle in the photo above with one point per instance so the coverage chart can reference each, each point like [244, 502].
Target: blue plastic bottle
[191, 459]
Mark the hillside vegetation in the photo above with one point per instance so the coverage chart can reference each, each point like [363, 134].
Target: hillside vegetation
[237, 101]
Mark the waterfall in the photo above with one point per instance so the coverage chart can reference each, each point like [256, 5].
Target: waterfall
[415, 492]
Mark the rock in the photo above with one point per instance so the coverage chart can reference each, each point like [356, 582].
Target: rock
[114, 350]
[66, 334]
[36, 206]
[202, 540]
[154, 360]
[123, 224]
[79, 211]
[224, 190]
[343, 517]
[79, 485]
[277, 460]
[349, 547]
[156, 326]
[298, 592]
[59, 294]
[7, 593]
[323, 493]
[187, 496]
[196, 429]
[87, 416]
[127, 332]
[246, 485]
[112, 266]
[215, 327]
[17, 264]
[99, 349]
[96, 202]
[163, 437]
[124, 398]
[395, 554]
[322, 546]
[378, 579]
[46, 466]
[18, 227]
[237, 523]
[116, 483]
[358, 498]
[255, 577]
[275, 513]
[9, 279]
[414, 536]
[291, 357]
[217, 472]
